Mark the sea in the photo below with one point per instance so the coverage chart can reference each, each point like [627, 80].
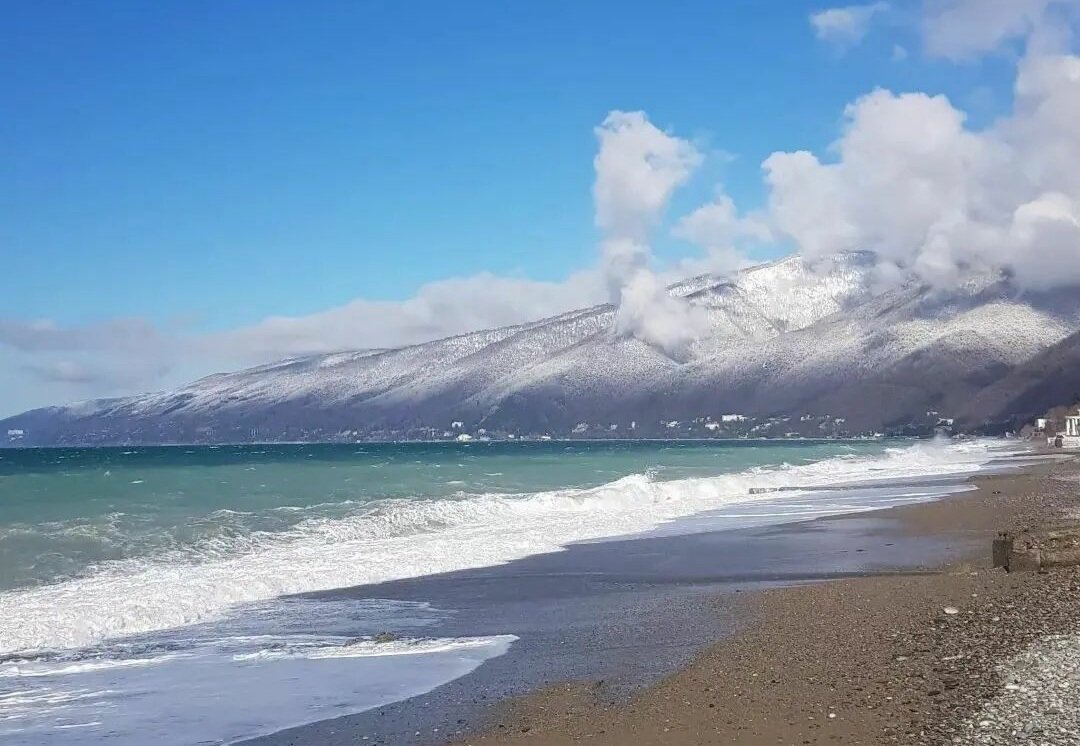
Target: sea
[166, 594]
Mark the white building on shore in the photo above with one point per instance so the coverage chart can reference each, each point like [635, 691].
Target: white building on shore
[1071, 436]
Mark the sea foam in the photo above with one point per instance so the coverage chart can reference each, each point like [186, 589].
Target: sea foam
[231, 688]
[392, 539]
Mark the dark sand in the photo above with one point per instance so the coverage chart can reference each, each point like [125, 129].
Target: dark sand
[619, 614]
[636, 624]
[868, 660]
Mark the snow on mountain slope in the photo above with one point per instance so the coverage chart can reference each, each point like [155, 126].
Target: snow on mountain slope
[783, 337]
[1049, 379]
[930, 351]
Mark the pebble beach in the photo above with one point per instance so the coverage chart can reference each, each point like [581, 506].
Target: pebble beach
[958, 653]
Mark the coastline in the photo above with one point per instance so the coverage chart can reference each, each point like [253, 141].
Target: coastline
[862, 660]
[625, 617]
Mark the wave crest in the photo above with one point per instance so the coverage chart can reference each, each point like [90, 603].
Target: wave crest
[393, 539]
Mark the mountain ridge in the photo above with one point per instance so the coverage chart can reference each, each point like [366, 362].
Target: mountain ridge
[784, 339]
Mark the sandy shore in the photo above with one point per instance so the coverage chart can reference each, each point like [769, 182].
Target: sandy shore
[866, 660]
[625, 613]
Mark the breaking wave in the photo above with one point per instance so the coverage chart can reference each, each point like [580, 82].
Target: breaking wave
[393, 539]
[375, 649]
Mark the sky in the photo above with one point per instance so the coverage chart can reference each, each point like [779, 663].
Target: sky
[190, 187]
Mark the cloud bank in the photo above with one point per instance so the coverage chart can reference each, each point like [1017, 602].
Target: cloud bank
[912, 183]
[124, 355]
[439, 309]
[964, 29]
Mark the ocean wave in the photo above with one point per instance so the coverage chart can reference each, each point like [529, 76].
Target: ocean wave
[370, 648]
[393, 539]
[36, 669]
[133, 701]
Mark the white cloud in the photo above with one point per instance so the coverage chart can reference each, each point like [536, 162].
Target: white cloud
[102, 373]
[806, 203]
[51, 362]
[439, 309]
[961, 29]
[638, 168]
[1048, 226]
[911, 182]
[65, 371]
[647, 311]
[112, 335]
[846, 25]
[718, 225]
[46, 362]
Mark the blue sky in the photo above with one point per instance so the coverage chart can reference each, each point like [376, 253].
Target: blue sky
[202, 166]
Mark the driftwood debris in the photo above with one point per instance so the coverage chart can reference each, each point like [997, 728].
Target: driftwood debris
[1036, 552]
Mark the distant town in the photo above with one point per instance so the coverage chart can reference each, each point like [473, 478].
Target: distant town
[723, 426]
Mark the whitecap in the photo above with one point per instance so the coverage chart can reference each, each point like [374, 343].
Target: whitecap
[402, 538]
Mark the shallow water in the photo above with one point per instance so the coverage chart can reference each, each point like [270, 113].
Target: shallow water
[160, 571]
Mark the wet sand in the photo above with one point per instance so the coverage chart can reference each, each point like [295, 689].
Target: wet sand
[636, 623]
[867, 660]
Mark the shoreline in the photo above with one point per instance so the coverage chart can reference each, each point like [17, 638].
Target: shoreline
[625, 584]
[624, 615]
[863, 660]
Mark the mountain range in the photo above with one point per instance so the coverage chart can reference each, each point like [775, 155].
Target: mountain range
[789, 340]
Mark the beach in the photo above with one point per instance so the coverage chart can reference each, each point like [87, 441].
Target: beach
[731, 594]
[864, 660]
[824, 631]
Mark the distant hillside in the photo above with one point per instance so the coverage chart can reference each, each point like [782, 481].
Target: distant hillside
[787, 342]
[1049, 379]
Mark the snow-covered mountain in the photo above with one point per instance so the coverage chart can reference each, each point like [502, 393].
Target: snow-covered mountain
[785, 338]
[1048, 380]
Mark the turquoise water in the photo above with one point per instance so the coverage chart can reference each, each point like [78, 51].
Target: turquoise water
[151, 594]
[62, 511]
